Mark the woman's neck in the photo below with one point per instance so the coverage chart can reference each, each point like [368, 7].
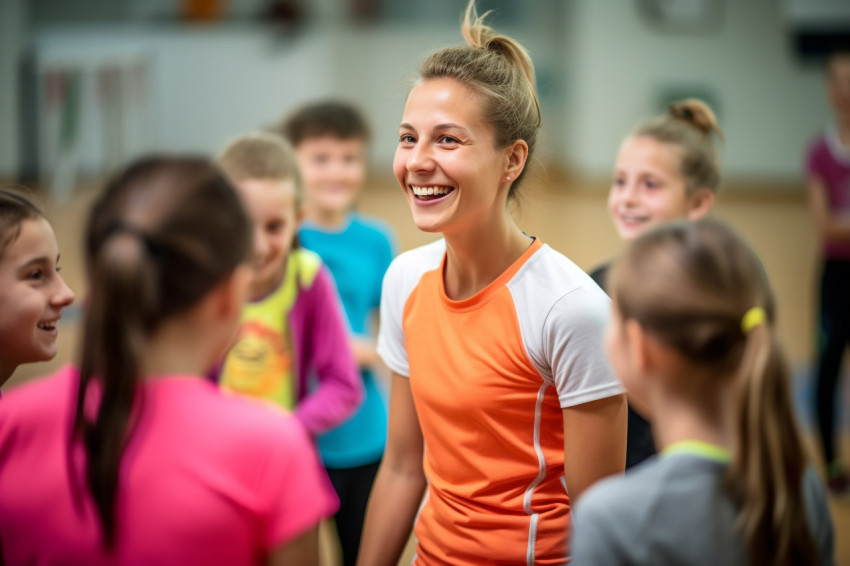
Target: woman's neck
[476, 259]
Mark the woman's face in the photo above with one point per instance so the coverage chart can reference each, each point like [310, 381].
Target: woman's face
[447, 162]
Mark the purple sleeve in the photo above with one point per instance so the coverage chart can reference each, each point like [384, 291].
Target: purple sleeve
[327, 354]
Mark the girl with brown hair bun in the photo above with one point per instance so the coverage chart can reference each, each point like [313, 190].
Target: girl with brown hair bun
[667, 169]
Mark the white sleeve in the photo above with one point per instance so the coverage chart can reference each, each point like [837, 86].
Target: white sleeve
[401, 278]
[391, 333]
[574, 347]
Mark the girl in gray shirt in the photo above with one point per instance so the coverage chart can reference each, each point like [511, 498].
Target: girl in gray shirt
[692, 339]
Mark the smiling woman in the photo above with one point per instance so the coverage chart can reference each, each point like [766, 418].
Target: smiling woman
[494, 339]
[32, 293]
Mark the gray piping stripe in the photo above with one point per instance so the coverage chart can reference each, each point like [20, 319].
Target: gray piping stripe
[541, 473]
[532, 539]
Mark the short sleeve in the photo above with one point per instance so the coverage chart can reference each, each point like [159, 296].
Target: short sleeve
[293, 486]
[573, 342]
[391, 333]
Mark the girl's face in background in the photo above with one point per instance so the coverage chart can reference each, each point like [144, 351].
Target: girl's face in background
[272, 207]
[32, 295]
[648, 189]
[446, 160]
[333, 171]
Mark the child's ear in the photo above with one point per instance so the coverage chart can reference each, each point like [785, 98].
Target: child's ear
[230, 295]
[700, 203]
[637, 341]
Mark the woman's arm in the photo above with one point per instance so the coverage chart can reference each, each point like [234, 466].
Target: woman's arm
[399, 485]
[594, 442]
[831, 227]
[304, 549]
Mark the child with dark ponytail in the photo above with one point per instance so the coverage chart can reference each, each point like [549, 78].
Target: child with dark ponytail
[693, 340]
[135, 458]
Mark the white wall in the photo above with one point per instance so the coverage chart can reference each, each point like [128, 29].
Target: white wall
[769, 104]
[603, 66]
[12, 36]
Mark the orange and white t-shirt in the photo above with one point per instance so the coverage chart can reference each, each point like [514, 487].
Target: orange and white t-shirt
[489, 376]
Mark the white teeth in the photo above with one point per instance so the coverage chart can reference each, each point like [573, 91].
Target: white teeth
[430, 191]
[47, 325]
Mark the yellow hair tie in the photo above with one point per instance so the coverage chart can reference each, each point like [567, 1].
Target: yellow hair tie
[752, 318]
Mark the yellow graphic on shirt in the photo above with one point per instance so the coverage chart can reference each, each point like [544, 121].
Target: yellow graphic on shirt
[260, 365]
[262, 361]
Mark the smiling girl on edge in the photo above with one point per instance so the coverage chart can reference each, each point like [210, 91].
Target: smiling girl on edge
[502, 400]
[32, 293]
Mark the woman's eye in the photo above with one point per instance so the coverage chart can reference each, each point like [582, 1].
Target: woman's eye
[36, 275]
[448, 140]
[406, 138]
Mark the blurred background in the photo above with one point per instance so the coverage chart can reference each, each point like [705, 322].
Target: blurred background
[88, 84]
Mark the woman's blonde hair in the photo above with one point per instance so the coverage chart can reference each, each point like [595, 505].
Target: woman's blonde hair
[689, 125]
[690, 285]
[500, 70]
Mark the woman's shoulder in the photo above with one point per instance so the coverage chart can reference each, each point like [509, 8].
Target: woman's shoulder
[416, 261]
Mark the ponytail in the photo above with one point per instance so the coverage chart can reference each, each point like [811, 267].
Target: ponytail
[121, 307]
[766, 473]
[689, 125]
[693, 285]
[163, 234]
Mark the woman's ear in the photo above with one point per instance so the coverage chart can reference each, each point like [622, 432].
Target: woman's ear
[517, 154]
[700, 202]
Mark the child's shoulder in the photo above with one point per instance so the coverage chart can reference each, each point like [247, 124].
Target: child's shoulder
[307, 264]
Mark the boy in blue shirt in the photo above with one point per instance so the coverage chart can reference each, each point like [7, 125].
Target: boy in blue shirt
[330, 140]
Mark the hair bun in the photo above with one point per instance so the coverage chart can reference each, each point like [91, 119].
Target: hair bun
[697, 114]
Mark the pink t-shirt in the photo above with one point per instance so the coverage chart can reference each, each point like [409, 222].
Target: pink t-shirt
[207, 478]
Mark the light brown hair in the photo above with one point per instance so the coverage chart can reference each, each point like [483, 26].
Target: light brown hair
[259, 155]
[500, 70]
[690, 284]
[690, 126]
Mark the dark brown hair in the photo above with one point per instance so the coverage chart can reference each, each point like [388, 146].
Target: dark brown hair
[500, 70]
[331, 118]
[163, 234]
[690, 284]
[15, 207]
